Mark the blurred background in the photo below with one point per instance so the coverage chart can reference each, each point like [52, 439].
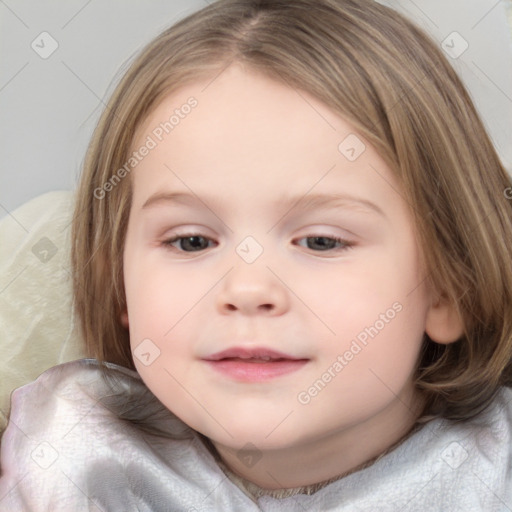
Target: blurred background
[61, 60]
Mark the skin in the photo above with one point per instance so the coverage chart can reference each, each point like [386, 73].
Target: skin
[250, 143]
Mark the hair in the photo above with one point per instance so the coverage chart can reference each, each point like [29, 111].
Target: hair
[386, 77]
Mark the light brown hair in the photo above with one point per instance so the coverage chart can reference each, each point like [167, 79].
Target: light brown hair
[383, 75]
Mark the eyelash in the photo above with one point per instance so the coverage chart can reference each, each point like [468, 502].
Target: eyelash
[167, 244]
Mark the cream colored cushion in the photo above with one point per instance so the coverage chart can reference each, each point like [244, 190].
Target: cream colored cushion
[37, 326]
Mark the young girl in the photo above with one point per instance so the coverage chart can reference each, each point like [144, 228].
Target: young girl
[291, 255]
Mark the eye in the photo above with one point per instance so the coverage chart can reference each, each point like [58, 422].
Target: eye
[196, 243]
[325, 243]
[188, 243]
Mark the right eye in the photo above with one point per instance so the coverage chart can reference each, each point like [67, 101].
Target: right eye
[187, 243]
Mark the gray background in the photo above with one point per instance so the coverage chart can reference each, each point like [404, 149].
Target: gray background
[49, 106]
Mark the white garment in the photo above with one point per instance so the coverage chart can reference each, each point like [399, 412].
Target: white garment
[73, 444]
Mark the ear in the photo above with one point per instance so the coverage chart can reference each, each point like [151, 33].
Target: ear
[443, 323]
[124, 319]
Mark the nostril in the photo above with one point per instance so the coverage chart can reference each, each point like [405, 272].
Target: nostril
[261, 307]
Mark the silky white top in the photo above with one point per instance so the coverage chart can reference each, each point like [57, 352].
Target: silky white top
[80, 439]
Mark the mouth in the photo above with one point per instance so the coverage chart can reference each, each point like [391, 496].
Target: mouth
[254, 364]
[255, 359]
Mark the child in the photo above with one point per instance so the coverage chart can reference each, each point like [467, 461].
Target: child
[291, 256]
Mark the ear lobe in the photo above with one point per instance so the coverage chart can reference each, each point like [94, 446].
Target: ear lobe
[124, 319]
[443, 323]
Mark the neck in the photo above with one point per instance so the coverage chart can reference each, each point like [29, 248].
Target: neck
[331, 457]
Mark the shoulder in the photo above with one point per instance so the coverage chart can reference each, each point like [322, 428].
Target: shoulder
[494, 423]
[444, 465]
[84, 392]
[78, 421]
[65, 392]
[481, 445]
[473, 458]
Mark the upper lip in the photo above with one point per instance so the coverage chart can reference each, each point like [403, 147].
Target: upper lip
[250, 353]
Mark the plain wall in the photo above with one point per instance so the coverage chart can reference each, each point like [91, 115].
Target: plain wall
[49, 104]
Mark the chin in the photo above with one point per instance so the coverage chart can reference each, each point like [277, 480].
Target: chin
[243, 435]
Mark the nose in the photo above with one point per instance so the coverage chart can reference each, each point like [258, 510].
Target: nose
[252, 290]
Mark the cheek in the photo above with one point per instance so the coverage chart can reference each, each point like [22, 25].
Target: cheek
[367, 365]
[355, 295]
[158, 297]
[374, 311]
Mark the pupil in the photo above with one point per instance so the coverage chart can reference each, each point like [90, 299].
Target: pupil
[193, 242]
[320, 241]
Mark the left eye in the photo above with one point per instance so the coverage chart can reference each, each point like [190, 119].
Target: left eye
[325, 243]
[192, 243]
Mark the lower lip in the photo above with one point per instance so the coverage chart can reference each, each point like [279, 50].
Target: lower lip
[256, 372]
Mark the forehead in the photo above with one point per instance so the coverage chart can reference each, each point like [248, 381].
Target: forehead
[243, 104]
[247, 135]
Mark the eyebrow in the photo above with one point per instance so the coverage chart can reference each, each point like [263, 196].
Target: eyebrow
[306, 202]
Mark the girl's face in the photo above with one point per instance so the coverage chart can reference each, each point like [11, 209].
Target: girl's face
[275, 294]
